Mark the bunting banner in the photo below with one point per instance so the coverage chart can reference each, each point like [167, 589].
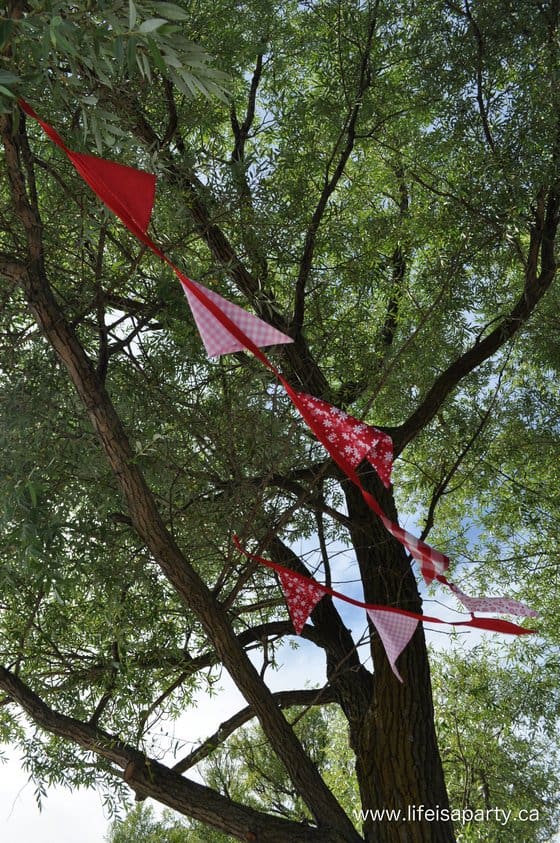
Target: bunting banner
[491, 624]
[225, 328]
[231, 335]
[394, 626]
[395, 631]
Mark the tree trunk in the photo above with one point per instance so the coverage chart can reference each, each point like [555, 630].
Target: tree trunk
[397, 758]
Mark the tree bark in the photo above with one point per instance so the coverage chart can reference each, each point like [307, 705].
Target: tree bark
[398, 763]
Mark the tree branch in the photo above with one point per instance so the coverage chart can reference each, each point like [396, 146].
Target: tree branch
[483, 110]
[445, 481]
[542, 243]
[149, 778]
[398, 264]
[284, 699]
[241, 132]
[178, 659]
[331, 183]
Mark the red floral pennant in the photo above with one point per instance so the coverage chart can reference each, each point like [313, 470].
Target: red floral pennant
[395, 631]
[432, 562]
[302, 595]
[352, 440]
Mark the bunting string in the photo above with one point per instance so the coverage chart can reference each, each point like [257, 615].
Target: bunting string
[224, 328]
[394, 626]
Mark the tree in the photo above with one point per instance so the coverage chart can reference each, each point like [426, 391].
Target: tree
[495, 767]
[381, 183]
[141, 826]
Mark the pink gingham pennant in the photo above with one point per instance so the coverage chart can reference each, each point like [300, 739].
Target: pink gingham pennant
[354, 440]
[502, 605]
[395, 631]
[301, 596]
[216, 337]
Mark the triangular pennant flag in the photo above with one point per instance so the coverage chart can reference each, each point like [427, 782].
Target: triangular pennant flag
[433, 563]
[502, 605]
[128, 192]
[395, 631]
[216, 337]
[301, 596]
[352, 439]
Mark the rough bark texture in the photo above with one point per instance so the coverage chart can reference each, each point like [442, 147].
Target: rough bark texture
[398, 760]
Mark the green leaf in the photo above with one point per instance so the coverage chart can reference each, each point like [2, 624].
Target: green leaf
[156, 56]
[151, 25]
[6, 27]
[132, 14]
[131, 48]
[8, 78]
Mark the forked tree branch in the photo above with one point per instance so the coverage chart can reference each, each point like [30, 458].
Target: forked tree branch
[284, 699]
[147, 519]
[150, 778]
[542, 243]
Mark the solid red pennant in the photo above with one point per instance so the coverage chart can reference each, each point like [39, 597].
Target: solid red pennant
[126, 191]
[497, 625]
